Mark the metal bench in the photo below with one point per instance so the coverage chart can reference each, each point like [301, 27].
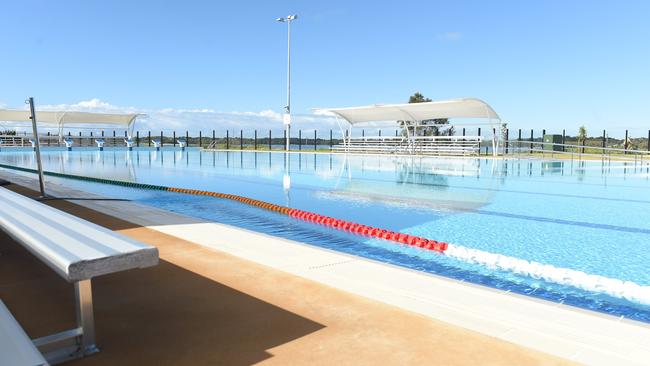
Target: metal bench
[78, 251]
[16, 349]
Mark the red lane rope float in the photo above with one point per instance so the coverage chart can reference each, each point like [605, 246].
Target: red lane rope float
[348, 226]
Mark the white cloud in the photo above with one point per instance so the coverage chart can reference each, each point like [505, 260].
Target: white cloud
[450, 37]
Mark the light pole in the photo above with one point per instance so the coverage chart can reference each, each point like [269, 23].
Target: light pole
[287, 108]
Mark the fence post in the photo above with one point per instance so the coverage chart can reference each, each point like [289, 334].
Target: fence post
[255, 140]
[563, 140]
[507, 137]
[200, 138]
[227, 139]
[479, 142]
[174, 138]
[463, 131]
[299, 139]
[363, 132]
[48, 140]
[531, 140]
[396, 133]
[149, 138]
[648, 140]
[543, 133]
[270, 146]
[137, 138]
[285, 139]
[315, 137]
[241, 139]
[187, 138]
[332, 140]
[214, 138]
[161, 139]
[625, 143]
[604, 141]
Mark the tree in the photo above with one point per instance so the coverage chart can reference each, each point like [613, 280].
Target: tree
[429, 127]
[582, 137]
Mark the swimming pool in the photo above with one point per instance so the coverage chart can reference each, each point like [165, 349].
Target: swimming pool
[570, 231]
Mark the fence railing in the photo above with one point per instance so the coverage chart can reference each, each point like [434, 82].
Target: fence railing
[424, 145]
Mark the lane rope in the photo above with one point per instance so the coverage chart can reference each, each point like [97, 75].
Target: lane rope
[334, 223]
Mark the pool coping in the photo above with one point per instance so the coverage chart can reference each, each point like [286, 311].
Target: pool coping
[562, 330]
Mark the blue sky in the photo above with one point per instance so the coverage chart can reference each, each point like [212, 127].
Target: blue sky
[540, 64]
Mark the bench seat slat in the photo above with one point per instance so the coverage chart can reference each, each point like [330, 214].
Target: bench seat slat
[16, 349]
[76, 249]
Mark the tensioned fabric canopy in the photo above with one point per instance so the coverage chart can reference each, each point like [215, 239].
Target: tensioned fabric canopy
[63, 118]
[415, 112]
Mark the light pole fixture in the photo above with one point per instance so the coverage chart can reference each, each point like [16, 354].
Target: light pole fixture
[287, 108]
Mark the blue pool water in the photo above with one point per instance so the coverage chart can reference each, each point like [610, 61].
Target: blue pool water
[574, 232]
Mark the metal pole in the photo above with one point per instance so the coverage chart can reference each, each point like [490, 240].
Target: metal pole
[270, 147]
[299, 139]
[241, 139]
[563, 140]
[200, 138]
[331, 140]
[174, 138]
[255, 141]
[37, 147]
[315, 137]
[507, 137]
[288, 20]
[625, 143]
[137, 138]
[149, 138]
[531, 140]
[227, 140]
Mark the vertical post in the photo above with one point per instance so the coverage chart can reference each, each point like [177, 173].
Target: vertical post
[37, 147]
[507, 137]
[48, 140]
[479, 142]
[149, 138]
[270, 146]
[200, 138]
[604, 140]
[396, 133]
[625, 143]
[299, 139]
[531, 140]
[161, 139]
[85, 318]
[380, 132]
[255, 140]
[286, 139]
[563, 140]
[463, 131]
[137, 138]
[331, 140]
[648, 140]
[174, 138]
[227, 139]
[315, 137]
[543, 133]
[214, 138]
[187, 138]
[363, 133]
[241, 139]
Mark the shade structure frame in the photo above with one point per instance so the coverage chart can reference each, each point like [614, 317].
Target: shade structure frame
[62, 119]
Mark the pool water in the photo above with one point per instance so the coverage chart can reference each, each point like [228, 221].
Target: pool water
[571, 231]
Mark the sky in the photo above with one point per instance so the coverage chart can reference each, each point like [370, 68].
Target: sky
[222, 64]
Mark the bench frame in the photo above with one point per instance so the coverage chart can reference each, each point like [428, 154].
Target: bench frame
[76, 342]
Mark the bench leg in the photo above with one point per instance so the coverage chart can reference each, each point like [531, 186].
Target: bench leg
[85, 319]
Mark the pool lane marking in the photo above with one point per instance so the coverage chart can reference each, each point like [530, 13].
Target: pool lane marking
[334, 223]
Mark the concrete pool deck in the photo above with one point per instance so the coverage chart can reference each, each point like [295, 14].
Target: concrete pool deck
[560, 330]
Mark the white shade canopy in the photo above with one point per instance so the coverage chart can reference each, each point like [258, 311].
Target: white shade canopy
[63, 118]
[415, 112]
